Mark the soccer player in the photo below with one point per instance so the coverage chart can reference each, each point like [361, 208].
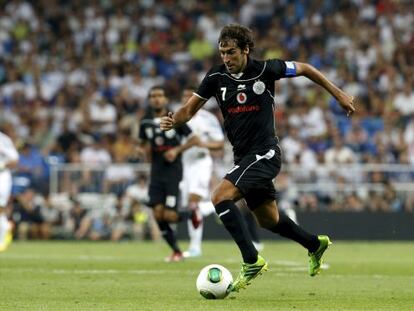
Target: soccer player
[198, 166]
[166, 166]
[8, 159]
[244, 88]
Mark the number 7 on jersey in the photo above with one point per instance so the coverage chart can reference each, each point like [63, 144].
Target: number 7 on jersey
[223, 93]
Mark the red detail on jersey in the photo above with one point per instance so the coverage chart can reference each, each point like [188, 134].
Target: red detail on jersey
[245, 108]
[162, 148]
[241, 98]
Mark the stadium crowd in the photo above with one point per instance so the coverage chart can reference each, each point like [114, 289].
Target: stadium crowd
[74, 79]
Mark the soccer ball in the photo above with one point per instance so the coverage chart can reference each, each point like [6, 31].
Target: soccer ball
[213, 282]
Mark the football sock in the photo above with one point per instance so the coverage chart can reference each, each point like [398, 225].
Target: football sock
[251, 225]
[196, 235]
[169, 235]
[233, 221]
[288, 229]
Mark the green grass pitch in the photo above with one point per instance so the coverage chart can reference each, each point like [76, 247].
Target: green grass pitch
[133, 276]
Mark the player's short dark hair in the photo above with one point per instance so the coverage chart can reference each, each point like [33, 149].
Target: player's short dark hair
[158, 87]
[242, 35]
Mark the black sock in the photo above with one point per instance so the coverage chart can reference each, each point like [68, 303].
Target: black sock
[168, 235]
[288, 229]
[251, 225]
[234, 223]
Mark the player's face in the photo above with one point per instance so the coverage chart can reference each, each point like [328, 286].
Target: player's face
[157, 99]
[234, 58]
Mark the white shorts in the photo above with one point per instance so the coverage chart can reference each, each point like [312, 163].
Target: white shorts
[5, 187]
[197, 176]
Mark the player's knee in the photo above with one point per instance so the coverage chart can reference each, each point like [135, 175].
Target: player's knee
[268, 222]
[225, 191]
[219, 196]
[170, 216]
[158, 215]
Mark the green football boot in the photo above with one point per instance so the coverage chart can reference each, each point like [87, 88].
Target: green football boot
[315, 258]
[248, 272]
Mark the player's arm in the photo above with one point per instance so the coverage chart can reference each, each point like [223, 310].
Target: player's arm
[193, 140]
[183, 115]
[142, 150]
[8, 164]
[346, 101]
[215, 134]
[173, 153]
[213, 145]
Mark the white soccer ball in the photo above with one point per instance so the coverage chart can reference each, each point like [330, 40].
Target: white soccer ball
[213, 282]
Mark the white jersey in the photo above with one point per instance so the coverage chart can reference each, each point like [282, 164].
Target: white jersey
[8, 153]
[205, 125]
[197, 162]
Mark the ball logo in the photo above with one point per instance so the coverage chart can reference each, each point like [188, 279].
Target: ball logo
[259, 87]
[241, 98]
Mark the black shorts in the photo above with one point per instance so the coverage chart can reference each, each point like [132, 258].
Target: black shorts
[165, 192]
[253, 175]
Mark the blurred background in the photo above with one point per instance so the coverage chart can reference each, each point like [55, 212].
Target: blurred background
[74, 79]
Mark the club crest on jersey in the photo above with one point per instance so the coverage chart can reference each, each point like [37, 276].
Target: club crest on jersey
[241, 98]
[259, 87]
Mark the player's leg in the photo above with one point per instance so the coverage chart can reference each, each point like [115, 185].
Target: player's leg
[269, 218]
[223, 198]
[251, 223]
[171, 215]
[157, 199]
[5, 226]
[195, 227]
[198, 176]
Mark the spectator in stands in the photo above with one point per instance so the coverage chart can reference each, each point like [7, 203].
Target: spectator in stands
[26, 214]
[339, 153]
[52, 217]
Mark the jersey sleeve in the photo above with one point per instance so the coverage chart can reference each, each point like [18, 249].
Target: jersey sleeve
[281, 69]
[208, 86]
[184, 130]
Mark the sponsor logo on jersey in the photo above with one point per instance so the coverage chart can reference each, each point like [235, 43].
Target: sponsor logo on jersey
[247, 108]
[241, 98]
[259, 87]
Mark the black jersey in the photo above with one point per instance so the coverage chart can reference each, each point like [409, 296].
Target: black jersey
[247, 103]
[160, 143]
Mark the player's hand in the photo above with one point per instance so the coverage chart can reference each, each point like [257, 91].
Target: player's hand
[171, 155]
[139, 153]
[167, 122]
[347, 103]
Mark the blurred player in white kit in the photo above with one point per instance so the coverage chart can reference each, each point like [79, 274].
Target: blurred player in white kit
[8, 159]
[198, 166]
